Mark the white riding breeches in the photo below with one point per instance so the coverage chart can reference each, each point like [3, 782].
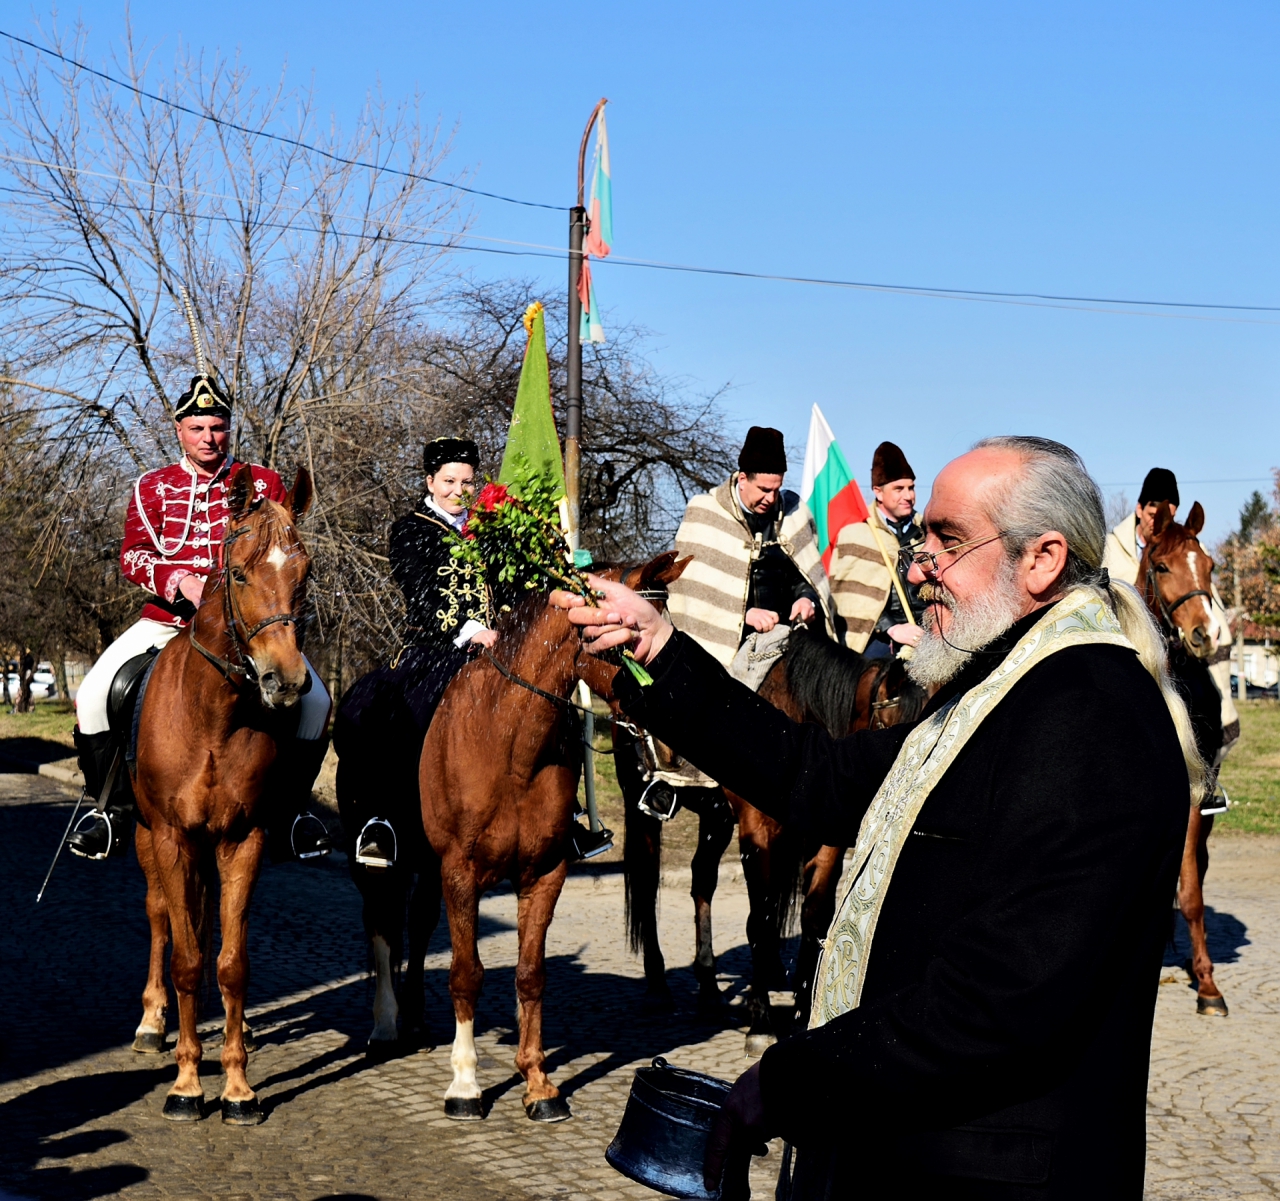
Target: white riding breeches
[91, 699]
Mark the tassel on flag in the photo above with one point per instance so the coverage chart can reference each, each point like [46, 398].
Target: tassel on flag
[828, 486]
[599, 234]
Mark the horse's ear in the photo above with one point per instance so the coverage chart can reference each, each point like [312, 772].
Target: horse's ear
[240, 492]
[663, 570]
[1195, 519]
[299, 498]
[1161, 519]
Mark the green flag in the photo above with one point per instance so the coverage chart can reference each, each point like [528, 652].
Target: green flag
[533, 425]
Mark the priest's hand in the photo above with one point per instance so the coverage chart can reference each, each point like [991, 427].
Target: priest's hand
[737, 1133]
[804, 610]
[761, 620]
[621, 618]
[905, 634]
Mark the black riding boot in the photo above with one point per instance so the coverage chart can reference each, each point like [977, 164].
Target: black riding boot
[103, 831]
[292, 832]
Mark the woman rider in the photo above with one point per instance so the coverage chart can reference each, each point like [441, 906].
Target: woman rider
[383, 719]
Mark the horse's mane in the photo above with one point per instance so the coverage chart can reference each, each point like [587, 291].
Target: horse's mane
[823, 677]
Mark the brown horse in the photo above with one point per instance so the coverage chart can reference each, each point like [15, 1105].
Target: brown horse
[815, 680]
[219, 706]
[1175, 575]
[499, 778]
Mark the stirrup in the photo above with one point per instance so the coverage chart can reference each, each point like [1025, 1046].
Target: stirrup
[376, 856]
[323, 844]
[1216, 802]
[587, 844]
[81, 828]
[659, 800]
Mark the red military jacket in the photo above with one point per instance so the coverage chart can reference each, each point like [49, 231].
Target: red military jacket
[174, 528]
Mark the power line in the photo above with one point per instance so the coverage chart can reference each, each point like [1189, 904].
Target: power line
[277, 137]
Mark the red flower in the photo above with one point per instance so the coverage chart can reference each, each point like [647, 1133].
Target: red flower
[491, 496]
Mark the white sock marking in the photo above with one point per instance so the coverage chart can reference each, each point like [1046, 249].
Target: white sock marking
[463, 1061]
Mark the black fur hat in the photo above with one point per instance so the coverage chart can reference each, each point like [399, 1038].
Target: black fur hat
[889, 464]
[763, 452]
[1160, 484]
[203, 399]
[449, 450]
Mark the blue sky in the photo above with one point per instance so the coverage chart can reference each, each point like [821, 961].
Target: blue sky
[1089, 149]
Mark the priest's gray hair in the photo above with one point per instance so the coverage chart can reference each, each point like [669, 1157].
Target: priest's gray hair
[1054, 491]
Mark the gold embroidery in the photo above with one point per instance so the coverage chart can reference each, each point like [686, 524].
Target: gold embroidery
[464, 595]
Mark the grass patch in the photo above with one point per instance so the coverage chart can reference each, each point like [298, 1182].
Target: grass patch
[52, 721]
[1251, 774]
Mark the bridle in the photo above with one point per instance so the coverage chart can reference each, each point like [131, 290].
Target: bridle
[234, 620]
[1151, 591]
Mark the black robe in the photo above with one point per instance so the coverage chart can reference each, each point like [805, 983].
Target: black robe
[1002, 1043]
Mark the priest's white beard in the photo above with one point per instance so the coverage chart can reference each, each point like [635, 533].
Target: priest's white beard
[974, 623]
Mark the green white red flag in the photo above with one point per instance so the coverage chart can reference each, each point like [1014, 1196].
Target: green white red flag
[828, 486]
[599, 233]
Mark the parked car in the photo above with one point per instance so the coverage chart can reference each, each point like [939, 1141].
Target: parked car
[43, 683]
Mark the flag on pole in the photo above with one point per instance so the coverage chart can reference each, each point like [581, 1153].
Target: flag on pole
[533, 424]
[828, 486]
[599, 235]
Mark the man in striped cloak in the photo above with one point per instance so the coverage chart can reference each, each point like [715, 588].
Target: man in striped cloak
[880, 609]
[756, 561]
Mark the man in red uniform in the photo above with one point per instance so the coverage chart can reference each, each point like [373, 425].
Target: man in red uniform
[172, 541]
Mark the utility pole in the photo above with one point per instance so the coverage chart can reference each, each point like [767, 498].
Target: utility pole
[1242, 690]
[573, 390]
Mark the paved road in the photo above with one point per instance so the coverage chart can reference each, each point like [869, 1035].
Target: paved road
[81, 1113]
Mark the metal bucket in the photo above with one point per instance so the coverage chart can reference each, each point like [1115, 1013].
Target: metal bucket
[663, 1137]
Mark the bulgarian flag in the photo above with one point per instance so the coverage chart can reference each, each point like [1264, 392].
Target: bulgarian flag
[828, 486]
[599, 235]
[533, 424]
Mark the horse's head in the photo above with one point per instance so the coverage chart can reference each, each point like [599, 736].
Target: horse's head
[265, 569]
[1176, 578]
[651, 581]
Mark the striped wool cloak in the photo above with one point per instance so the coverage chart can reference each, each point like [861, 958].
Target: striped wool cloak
[709, 600]
[860, 581]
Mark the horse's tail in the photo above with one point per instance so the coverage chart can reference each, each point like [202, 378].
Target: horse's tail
[641, 848]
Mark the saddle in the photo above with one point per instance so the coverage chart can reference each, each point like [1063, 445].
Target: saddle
[124, 701]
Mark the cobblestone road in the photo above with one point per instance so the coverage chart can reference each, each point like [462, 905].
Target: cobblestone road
[80, 1113]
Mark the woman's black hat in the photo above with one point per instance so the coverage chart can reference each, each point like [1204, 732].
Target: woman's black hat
[449, 450]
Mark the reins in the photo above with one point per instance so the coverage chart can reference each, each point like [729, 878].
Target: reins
[234, 621]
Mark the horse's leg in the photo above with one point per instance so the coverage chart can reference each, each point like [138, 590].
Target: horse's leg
[1195, 859]
[641, 873]
[822, 873]
[466, 975]
[238, 864]
[187, 899]
[424, 915]
[149, 1037]
[715, 829]
[542, 1100]
[760, 843]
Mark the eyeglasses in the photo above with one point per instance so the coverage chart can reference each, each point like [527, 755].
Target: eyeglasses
[928, 560]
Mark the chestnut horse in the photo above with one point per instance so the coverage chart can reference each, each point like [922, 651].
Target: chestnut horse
[218, 706]
[1175, 575]
[498, 780]
[814, 680]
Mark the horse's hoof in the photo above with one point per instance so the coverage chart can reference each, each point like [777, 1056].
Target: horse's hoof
[1213, 1007]
[758, 1044]
[243, 1113]
[379, 1050]
[183, 1109]
[148, 1042]
[463, 1109]
[550, 1109]
[657, 1002]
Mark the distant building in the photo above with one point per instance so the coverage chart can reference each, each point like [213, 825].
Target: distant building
[1261, 657]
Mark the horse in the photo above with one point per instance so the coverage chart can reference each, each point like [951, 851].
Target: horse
[814, 680]
[1176, 577]
[219, 710]
[498, 781]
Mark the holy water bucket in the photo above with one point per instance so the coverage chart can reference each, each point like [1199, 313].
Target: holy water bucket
[662, 1140]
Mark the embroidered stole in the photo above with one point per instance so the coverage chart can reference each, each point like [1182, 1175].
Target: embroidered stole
[1080, 618]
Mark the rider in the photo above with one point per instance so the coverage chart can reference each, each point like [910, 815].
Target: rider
[173, 533]
[881, 613]
[450, 612]
[756, 560]
[1124, 549]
